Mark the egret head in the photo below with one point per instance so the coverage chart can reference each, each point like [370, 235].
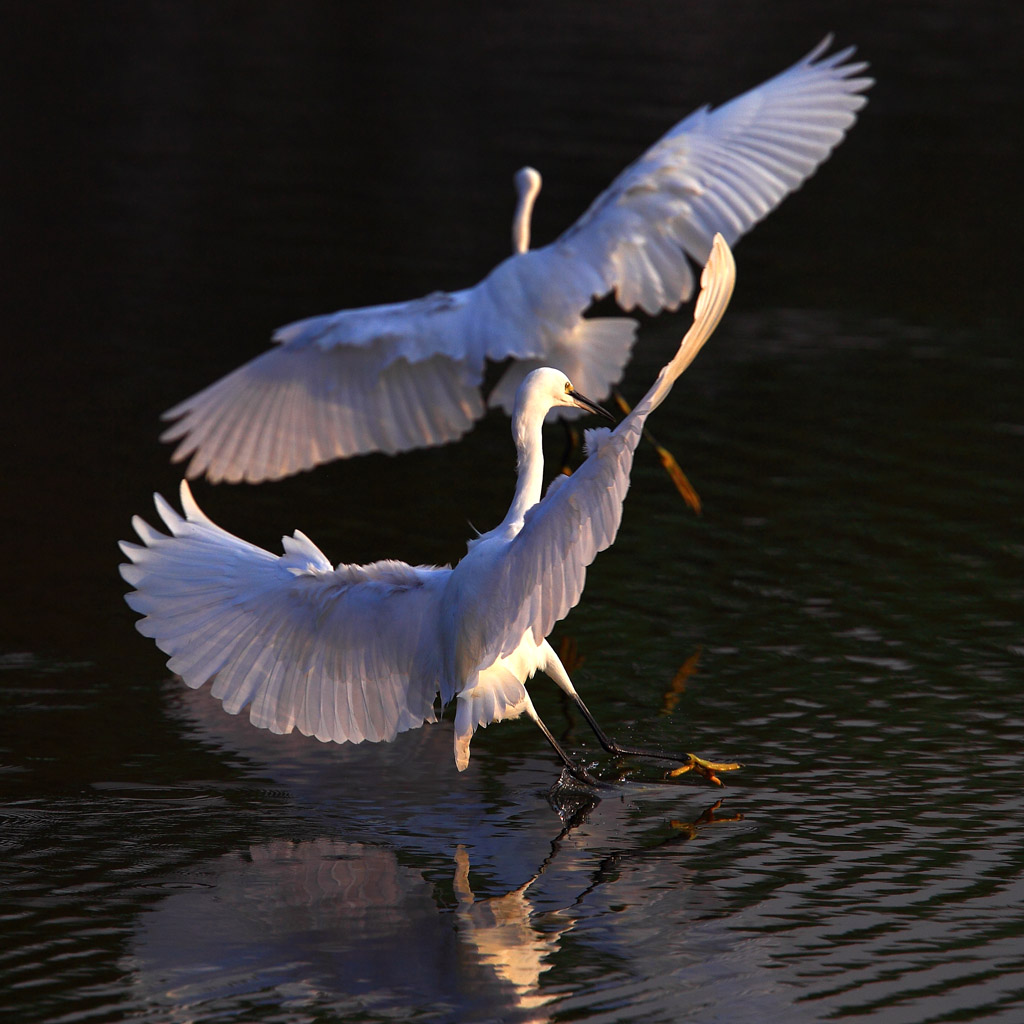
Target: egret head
[550, 388]
[527, 182]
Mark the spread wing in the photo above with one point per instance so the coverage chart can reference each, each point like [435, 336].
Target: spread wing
[341, 654]
[717, 171]
[385, 379]
[391, 378]
[580, 515]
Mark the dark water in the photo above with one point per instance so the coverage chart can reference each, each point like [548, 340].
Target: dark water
[845, 617]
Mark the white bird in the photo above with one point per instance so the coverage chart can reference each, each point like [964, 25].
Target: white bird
[394, 377]
[360, 652]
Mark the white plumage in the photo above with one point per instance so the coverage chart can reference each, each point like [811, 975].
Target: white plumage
[360, 652]
[390, 378]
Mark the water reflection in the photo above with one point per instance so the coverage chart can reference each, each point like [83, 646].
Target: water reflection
[509, 936]
[284, 880]
[351, 927]
[327, 923]
[464, 907]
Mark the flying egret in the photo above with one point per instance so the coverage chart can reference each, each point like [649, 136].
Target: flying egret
[409, 375]
[359, 652]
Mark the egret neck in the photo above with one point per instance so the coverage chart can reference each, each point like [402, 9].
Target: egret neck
[534, 400]
[527, 183]
[527, 426]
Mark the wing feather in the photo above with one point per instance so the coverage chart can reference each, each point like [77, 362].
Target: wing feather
[717, 171]
[342, 654]
[579, 515]
[349, 384]
[408, 375]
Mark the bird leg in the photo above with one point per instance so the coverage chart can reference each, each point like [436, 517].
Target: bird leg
[575, 769]
[668, 460]
[689, 762]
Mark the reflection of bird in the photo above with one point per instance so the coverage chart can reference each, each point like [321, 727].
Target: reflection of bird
[359, 652]
[322, 927]
[505, 933]
[408, 375]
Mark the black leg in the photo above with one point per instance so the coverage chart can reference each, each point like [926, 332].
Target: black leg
[575, 769]
[689, 761]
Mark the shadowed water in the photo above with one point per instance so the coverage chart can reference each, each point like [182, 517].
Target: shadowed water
[844, 618]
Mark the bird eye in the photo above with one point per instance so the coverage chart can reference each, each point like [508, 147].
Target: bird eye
[568, 387]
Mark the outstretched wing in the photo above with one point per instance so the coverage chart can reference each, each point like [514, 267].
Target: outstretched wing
[340, 654]
[717, 171]
[386, 379]
[580, 515]
[390, 378]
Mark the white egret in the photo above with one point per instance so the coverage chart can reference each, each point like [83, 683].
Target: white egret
[394, 377]
[359, 652]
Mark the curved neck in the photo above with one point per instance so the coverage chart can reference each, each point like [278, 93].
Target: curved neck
[527, 182]
[527, 421]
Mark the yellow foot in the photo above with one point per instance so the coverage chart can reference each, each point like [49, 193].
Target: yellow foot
[708, 769]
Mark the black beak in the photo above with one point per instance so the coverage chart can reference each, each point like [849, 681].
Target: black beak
[586, 403]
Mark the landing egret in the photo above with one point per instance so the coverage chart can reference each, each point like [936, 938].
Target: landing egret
[409, 375]
[359, 652]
